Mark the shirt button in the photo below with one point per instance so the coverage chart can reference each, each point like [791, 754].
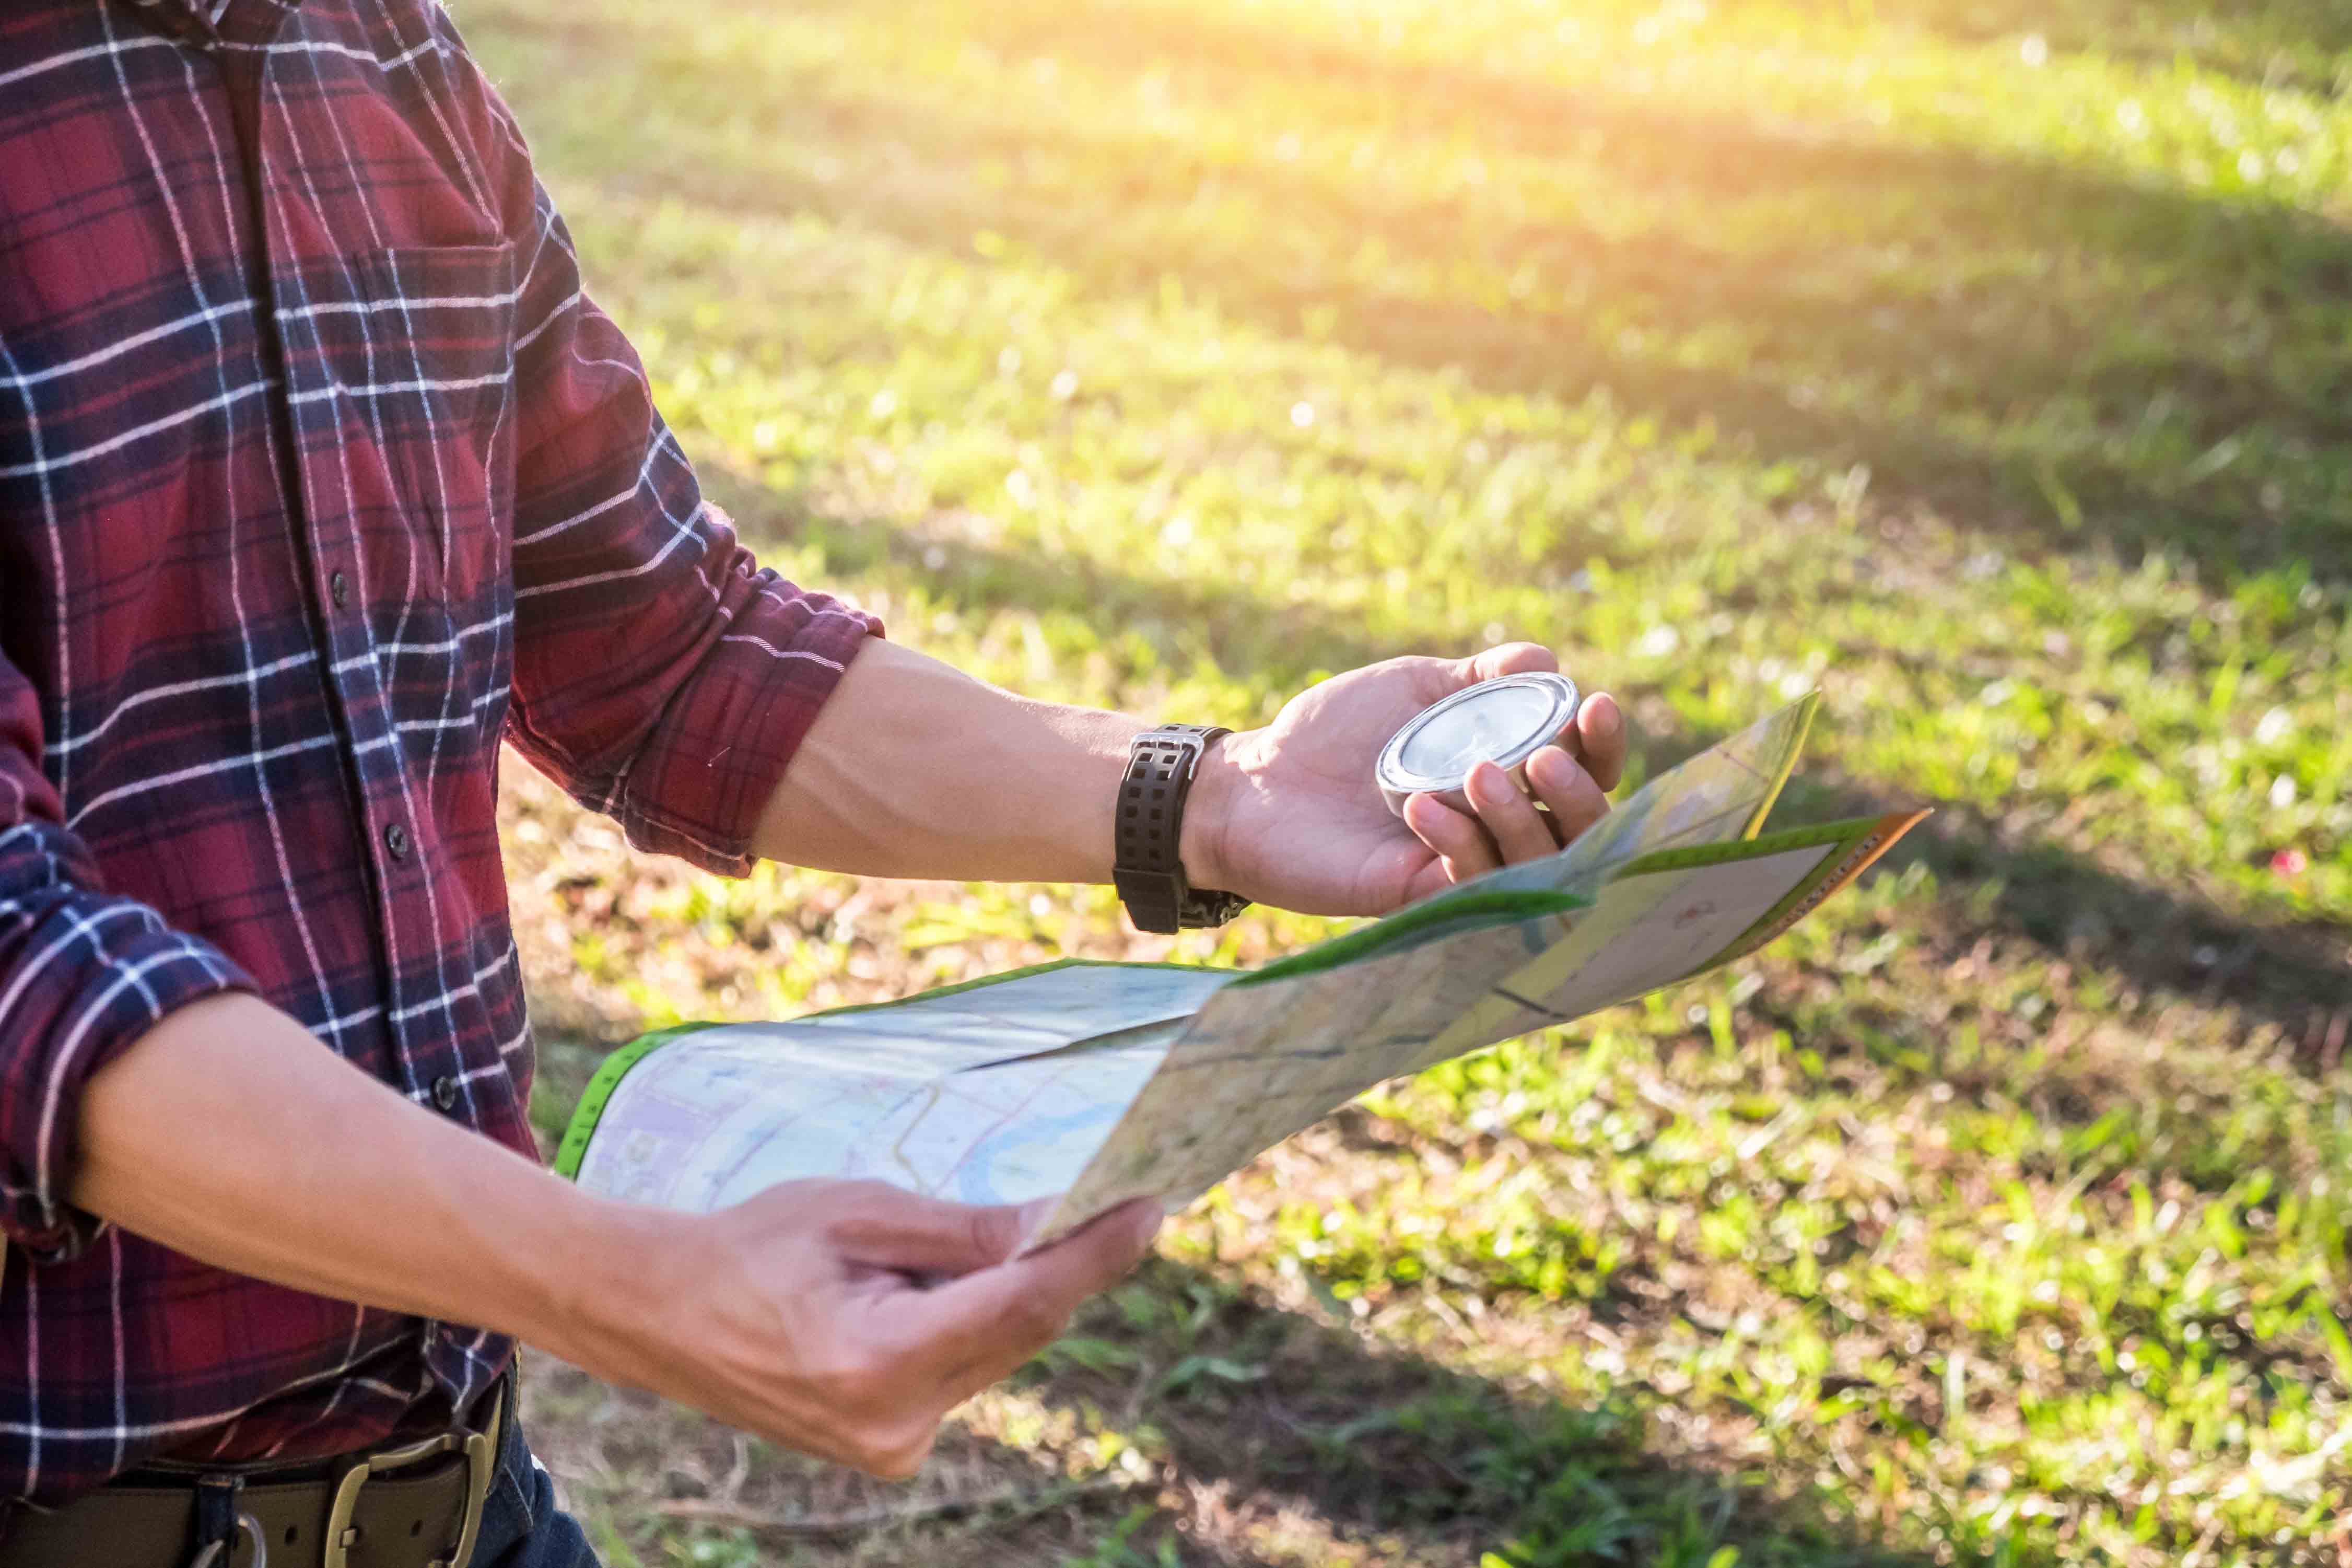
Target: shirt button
[445, 1092]
[396, 838]
[340, 586]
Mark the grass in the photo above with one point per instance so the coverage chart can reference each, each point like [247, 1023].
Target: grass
[1980, 365]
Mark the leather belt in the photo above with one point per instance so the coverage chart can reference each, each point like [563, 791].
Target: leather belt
[418, 1505]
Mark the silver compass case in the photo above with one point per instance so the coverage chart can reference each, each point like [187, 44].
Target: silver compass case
[1505, 720]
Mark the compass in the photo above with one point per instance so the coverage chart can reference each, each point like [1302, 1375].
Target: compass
[1505, 721]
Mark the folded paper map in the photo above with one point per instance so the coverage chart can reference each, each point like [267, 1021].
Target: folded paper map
[1095, 1083]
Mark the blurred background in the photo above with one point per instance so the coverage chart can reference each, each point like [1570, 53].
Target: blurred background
[1985, 365]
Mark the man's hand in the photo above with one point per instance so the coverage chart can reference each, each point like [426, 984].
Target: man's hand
[846, 1318]
[1289, 815]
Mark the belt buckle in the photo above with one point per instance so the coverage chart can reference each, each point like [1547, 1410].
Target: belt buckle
[480, 1454]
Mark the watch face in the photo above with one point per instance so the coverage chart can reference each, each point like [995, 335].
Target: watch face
[1505, 720]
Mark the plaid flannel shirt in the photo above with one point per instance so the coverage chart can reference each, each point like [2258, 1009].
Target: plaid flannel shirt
[320, 477]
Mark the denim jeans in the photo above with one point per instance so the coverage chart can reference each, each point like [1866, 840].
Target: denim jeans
[521, 1526]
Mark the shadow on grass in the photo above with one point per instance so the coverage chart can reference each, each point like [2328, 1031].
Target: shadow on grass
[1272, 1413]
[1302, 1436]
[2031, 348]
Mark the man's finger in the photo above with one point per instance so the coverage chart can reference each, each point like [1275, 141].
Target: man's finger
[1509, 659]
[888, 1227]
[1570, 792]
[1518, 828]
[1597, 739]
[980, 1328]
[1460, 842]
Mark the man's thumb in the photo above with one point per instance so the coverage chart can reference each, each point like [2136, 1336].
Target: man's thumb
[1509, 659]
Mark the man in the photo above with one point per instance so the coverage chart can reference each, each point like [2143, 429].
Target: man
[320, 480]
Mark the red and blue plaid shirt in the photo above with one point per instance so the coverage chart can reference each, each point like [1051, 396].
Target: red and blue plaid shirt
[319, 478]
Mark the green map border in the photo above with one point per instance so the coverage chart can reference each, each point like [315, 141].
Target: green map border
[1809, 708]
[1695, 854]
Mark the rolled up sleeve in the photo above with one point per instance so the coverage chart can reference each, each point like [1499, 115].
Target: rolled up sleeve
[661, 675]
[83, 975]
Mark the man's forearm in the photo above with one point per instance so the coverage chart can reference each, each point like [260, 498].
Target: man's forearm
[230, 1134]
[915, 769]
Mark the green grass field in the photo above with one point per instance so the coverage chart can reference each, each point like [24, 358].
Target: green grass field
[1983, 365]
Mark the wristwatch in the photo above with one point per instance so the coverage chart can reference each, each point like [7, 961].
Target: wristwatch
[1148, 832]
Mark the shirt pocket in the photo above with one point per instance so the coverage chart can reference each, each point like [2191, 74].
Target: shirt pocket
[403, 364]
[440, 395]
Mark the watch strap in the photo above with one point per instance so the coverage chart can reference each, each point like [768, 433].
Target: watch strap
[1147, 866]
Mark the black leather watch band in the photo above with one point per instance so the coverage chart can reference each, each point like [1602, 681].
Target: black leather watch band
[1148, 832]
